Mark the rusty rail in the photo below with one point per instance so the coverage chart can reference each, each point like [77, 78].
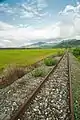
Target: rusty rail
[26, 104]
[70, 89]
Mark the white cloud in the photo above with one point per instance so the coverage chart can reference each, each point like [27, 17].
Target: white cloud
[71, 9]
[68, 8]
[70, 18]
[76, 25]
[5, 26]
[67, 27]
[26, 10]
[16, 36]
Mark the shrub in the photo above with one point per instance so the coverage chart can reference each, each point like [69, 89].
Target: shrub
[50, 61]
[76, 51]
[12, 73]
[38, 73]
[60, 53]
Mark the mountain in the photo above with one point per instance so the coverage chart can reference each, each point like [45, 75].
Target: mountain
[56, 44]
[34, 45]
[40, 45]
[68, 43]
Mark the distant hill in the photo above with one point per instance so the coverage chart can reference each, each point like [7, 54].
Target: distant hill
[34, 45]
[68, 43]
[50, 44]
[62, 44]
[40, 45]
[56, 44]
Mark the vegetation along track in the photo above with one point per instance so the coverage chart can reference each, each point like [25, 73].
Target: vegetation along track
[13, 96]
[52, 99]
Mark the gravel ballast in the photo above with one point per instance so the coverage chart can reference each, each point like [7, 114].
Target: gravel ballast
[52, 101]
[13, 96]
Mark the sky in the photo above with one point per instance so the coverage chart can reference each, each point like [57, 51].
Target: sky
[23, 22]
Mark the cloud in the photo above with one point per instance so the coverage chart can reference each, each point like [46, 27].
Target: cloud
[35, 8]
[67, 26]
[74, 10]
[5, 26]
[26, 10]
[68, 8]
[11, 36]
[17, 36]
[70, 18]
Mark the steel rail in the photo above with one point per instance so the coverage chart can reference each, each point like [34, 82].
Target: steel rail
[70, 88]
[26, 104]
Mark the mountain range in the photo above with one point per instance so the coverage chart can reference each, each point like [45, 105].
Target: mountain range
[68, 43]
[50, 44]
[63, 43]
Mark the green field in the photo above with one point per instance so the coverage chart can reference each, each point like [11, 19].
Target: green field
[76, 53]
[24, 57]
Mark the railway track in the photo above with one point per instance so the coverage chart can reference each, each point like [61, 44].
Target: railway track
[52, 99]
[13, 96]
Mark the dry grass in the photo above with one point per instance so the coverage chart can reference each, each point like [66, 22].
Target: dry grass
[10, 74]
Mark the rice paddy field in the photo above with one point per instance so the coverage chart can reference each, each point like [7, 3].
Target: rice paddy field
[24, 57]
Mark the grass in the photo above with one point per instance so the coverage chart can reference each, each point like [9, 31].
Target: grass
[76, 53]
[24, 57]
[10, 74]
[50, 61]
[38, 73]
[78, 58]
[76, 96]
[76, 85]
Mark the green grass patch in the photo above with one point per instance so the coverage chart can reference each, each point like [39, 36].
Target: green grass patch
[50, 61]
[76, 96]
[76, 87]
[76, 53]
[38, 73]
[24, 57]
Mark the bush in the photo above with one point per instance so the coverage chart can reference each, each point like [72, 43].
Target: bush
[12, 73]
[50, 61]
[60, 53]
[76, 52]
[38, 73]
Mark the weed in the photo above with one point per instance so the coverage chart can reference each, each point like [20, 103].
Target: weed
[50, 61]
[59, 53]
[76, 51]
[38, 73]
[12, 73]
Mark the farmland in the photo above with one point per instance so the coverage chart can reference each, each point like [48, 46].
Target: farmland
[24, 57]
